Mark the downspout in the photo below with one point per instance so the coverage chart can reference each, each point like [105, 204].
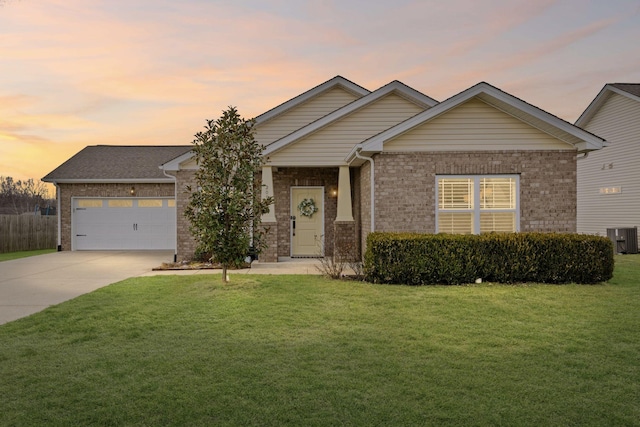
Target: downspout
[59, 215]
[584, 155]
[373, 204]
[175, 197]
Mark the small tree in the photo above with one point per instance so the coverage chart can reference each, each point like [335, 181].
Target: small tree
[226, 208]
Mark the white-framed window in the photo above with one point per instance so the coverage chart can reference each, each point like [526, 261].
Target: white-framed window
[474, 204]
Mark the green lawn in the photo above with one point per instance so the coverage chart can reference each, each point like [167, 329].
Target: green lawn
[306, 351]
[15, 255]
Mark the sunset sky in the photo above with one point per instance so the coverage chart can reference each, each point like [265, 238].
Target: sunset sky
[84, 72]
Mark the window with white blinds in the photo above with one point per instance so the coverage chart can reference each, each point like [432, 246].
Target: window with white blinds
[477, 204]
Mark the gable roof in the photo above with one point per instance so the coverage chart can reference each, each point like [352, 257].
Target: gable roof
[628, 90]
[337, 81]
[516, 107]
[117, 163]
[395, 87]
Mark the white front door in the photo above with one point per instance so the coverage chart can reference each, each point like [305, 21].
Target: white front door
[307, 224]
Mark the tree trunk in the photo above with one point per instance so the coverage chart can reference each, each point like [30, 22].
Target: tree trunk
[224, 273]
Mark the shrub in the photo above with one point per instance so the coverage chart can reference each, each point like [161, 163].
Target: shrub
[419, 259]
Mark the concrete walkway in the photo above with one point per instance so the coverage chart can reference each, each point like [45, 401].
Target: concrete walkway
[29, 285]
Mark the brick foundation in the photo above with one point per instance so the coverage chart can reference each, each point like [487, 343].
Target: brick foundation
[345, 244]
[270, 253]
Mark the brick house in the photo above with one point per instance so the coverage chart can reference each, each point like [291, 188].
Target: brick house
[116, 197]
[480, 161]
[342, 161]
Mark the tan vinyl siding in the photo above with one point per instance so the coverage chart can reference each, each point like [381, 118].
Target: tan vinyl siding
[331, 144]
[475, 125]
[618, 121]
[189, 164]
[303, 114]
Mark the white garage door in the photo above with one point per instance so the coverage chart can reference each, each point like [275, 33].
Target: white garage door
[104, 224]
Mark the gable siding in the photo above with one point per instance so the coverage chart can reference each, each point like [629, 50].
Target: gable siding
[475, 125]
[303, 114]
[618, 121]
[330, 145]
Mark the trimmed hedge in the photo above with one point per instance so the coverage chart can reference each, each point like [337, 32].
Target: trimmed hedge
[422, 259]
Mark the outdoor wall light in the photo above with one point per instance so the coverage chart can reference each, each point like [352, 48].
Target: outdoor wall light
[133, 191]
[333, 191]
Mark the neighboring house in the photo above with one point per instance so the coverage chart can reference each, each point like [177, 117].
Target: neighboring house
[609, 180]
[394, 160]
[116, 197]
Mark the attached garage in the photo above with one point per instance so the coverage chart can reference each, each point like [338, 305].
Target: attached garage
[117, 198]
[123, 223]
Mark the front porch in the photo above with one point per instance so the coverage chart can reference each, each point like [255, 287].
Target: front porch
[332, 228]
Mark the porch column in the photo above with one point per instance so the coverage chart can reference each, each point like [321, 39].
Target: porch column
[344, 195]
[270, 253]
[345, 242]
[267, 191]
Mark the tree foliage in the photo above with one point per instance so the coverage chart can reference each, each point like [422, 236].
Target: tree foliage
[226, 207]
[18, 197]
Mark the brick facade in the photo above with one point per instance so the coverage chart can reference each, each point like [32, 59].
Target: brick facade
[364, 191]
[404, 196]
[185, 241]
[68, 191]
[283, 180]
[405, 186]
[345, 245]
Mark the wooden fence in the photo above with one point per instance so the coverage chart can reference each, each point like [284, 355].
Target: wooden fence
[27, 232]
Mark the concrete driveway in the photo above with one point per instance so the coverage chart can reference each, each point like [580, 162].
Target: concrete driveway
[29, 285]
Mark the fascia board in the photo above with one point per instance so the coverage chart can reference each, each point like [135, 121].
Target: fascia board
[592, 141]
[174, 165]
[334, 82]
[111, 181]
[593, 106]
[599, 100]
[394, 86]
[411, 94]
[624, 93]
[352, 153]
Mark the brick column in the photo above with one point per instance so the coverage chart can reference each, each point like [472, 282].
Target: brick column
[270, 253]
[345, 242]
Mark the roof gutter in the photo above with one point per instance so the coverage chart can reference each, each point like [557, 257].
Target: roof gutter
[372, 181]
[109, 181]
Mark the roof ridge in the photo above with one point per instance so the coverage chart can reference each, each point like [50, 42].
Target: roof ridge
[304, 96]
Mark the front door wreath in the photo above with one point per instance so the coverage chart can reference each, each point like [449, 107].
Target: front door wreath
[307, 207]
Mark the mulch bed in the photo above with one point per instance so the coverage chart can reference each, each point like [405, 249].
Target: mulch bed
[181, 266]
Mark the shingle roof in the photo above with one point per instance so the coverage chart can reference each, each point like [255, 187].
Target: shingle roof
[632, 88]
[117, 163]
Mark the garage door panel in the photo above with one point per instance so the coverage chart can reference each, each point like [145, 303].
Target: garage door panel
[124, 224]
